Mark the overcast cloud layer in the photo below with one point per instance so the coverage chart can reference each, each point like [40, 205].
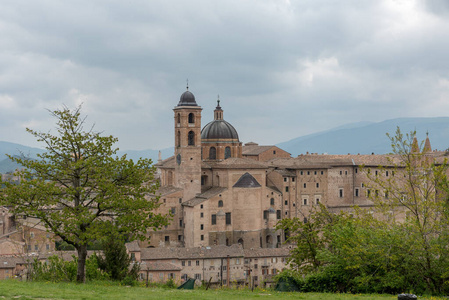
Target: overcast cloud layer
[282, 68]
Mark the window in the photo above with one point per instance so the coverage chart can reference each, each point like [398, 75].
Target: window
[191, 138]
[179, 139]
[314, 173]
[304, 201]
[180, 223]
[322, 172]
[237, 261]
[173, 210]
[285, 179]
[346, 172]
[198, 276]
[36, 247]
[228, 218]
[220, 203]
[202, 215]
[376, 173]
[29, 247]
[386, 173]
[31, 234]
[179, 118]
[278, 214]
[356, 192]
[214, 219]
[167, 238]
[340, 193]
[255, 267]
[317, 201]
[202, 226]
[212, 153]
[305, 220]
[201, 206]
[293, 179]
[302, 173]
[189, 263]
[286, 189]
[179, 238]
[197, 262]
[341, 172]
[272, 201]
[317, 185]
[265, 214]
[286, 202]
[368, 192]
[227, 152]
[274, 151]
[308, 172]
[171, 275]
[305, 185]
[191, 118]
[47, 246]
[356, 170]
[180, 200]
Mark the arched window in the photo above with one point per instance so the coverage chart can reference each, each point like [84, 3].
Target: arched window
[179, 118]
[227, 152]
[179, 139]
[191, 138]
[212, 153]
[268, 240]
[240, 241]
[220, 203]
[191, 118]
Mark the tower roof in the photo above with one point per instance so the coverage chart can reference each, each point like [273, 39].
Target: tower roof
[247, 181]
[187, 99]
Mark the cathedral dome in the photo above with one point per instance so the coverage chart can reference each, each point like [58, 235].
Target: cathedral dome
[219, 129]
[187, 99]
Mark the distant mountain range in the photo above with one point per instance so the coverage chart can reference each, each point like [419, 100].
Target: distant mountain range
[361, 137]
[369, 137]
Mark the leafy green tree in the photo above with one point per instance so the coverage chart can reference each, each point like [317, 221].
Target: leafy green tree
[115, 260]
[307, 234]
[414, 203]
[80, 189]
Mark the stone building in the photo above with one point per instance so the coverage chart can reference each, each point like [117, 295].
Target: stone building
[221, 192]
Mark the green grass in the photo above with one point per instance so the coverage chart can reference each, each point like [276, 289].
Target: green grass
[11, 289]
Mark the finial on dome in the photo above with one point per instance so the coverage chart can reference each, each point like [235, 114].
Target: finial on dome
[218, 101]
[187, 83]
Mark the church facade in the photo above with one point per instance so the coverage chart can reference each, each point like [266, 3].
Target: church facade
[221, 192]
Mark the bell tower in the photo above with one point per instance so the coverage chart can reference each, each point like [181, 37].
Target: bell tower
[187, 116]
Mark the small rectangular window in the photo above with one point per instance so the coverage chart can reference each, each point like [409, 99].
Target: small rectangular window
[202, 226]
[173, 210]
[278, 214]
[202, 215]
[293, 179]
[386, 173]
[286, 189]
[322, 172]
[304, 201]
[286, 202]
[356, 170]
[202, 237]
[317, 201]
[214, 219]
[305, 185]
[340, 193]
[317, 184]
[314, 172]
[308, 172]
[285, 179]
[341, 172]
[265, 214]
[180, 223]
[228, 218]
[356, 192]
[302, 173]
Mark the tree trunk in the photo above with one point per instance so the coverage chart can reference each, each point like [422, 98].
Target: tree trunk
[81, 273]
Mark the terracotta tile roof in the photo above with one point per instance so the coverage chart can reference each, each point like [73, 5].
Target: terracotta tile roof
[255, 149]
[167, 190]
[219, 251]
[133, 246]
[167, 163]
[158, 266]
[285, 173]
[10, 262]
[238, 163]
[213, 191]
[266, 252]
[326, 161]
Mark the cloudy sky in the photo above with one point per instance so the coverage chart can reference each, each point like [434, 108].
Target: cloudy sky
[282, 68]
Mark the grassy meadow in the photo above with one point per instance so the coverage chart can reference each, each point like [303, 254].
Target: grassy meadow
[11, 289]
